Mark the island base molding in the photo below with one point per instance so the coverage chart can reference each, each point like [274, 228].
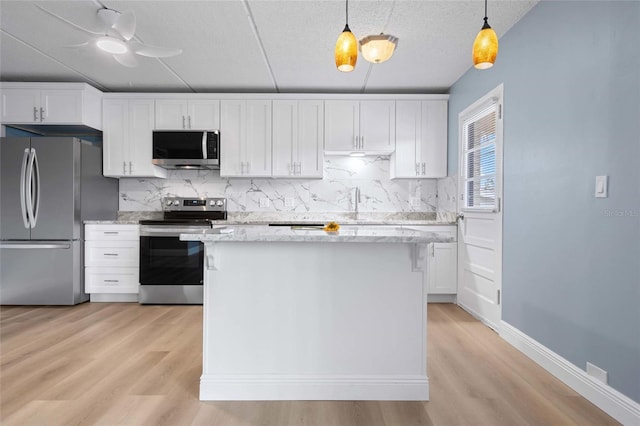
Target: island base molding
[313, 388]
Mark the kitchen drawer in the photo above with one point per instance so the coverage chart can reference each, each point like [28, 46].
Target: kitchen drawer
[111, 280]
[111, 232]
[112, 253]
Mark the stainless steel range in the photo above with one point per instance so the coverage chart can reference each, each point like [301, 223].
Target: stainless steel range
[171, 270]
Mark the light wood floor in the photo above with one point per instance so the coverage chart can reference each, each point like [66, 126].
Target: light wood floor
[128, 364]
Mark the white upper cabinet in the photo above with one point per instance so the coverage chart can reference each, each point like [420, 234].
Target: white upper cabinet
[298, 130]
[127, 139]
[196, 114]
[421, 140]
[51, 103]
[359, 126]
[245, 138]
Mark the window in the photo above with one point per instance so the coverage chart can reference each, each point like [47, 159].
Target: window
[479, 158]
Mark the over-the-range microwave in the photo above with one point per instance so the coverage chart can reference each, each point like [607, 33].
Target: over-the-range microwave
[186, 149]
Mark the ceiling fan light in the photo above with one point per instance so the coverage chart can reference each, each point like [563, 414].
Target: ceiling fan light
[346, 53]
[378, 48]
[111, 45]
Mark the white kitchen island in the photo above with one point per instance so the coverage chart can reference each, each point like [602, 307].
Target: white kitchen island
[294, 314]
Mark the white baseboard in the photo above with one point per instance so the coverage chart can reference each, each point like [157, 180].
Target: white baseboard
[441, 298]
[255, 388]
[619, 406]
[113, 297]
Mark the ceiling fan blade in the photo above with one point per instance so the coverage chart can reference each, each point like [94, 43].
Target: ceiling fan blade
[77, 46]
[69, 22]
[127, 59]
[154, 51]
[125, 25]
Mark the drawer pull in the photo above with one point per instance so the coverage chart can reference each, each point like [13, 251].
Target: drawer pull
[111, 281]
[111, 232]
[111, 254]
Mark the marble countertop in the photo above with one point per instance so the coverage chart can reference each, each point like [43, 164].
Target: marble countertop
[265, 218]
[353, 234]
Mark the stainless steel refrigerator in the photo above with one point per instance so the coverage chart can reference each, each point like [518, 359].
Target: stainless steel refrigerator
[48, 187]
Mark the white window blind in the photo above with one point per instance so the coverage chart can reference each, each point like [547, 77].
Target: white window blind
[479, 168]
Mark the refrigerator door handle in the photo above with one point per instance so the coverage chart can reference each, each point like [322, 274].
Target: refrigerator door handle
[36, 193]
[64, 246]
[30, 188]
[23, 189]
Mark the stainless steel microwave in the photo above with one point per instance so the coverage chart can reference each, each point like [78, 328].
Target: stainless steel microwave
[186, 149]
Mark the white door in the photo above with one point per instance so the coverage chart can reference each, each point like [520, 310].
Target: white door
[480, 194]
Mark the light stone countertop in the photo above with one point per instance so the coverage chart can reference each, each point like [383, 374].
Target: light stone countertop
[265, 218]
[351, 234]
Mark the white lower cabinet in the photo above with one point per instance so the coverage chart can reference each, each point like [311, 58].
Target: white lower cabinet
[112, 253]
[442, 267]
[442, 264]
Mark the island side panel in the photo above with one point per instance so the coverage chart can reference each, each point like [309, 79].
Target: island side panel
[304, 321]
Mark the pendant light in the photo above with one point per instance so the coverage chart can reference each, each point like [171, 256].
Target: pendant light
[378, 48]
[485, 47]
[346, 47]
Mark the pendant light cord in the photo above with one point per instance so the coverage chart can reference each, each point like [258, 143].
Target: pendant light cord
[347, 12]
[485, 10]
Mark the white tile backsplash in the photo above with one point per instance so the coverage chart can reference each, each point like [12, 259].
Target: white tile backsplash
[334, 193]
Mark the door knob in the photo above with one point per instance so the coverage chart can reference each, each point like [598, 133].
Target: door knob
[460, 216]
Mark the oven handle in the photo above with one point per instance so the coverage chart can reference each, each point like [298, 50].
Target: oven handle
[170, 232]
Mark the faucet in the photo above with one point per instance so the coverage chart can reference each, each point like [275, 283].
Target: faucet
[357, 200]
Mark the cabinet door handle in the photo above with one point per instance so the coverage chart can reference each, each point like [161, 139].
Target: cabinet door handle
[41, 114]
[289, 167]
[130, 167]
[35, 113]
[299, 168]
[242, 167]
[361, 142]
[424, 165]
[417, 169]
[355, 142]
[124, 167]
[189, 121]
[183, 123]
[248, 167]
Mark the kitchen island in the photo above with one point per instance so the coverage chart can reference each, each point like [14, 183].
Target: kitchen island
[302, 314]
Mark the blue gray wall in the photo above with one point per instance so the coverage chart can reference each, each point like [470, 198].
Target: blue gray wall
[571, 263]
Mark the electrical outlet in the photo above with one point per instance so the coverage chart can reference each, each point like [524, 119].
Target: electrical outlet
[264, 202]
[289, 202]
[414, 201]
[597, 372]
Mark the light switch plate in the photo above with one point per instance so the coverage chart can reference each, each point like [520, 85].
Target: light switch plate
[414, 201]
[601, 186]
[289, 202]
[264, 202]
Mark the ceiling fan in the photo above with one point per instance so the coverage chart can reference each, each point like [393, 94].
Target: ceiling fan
[117, 38]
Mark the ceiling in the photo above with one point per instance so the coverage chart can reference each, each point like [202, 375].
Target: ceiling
[270, 46]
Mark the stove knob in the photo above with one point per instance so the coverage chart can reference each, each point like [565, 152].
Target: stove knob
[219, 203]
[212, 203]
[169, 202]
[176, 203]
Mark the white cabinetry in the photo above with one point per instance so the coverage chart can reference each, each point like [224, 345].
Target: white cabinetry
[421, 140]
[298, 135]
[51, 103]
[195, 114]
[112, 262]
[245, 138]
[127, 138]
[442, 263]
[363, 126]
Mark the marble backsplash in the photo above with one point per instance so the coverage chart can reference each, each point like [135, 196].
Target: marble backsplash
[334, 193]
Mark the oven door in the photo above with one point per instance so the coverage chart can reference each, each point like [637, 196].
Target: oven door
[165, 260]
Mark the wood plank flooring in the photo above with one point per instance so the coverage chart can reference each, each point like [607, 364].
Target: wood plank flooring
[112, 364]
